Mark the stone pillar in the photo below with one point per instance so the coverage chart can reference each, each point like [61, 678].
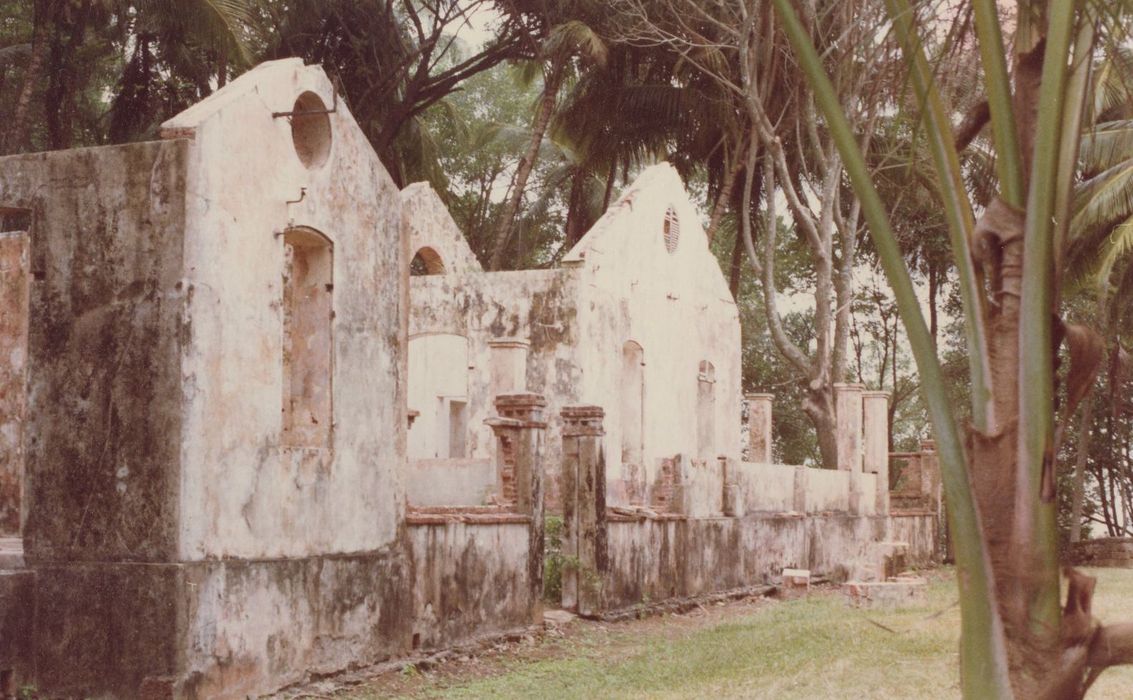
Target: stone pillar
[930, 474]
[930, 487]
[848, 406]
[508, 365]
[519, 430]
[875, 455]
[759, 427]
[584, 509]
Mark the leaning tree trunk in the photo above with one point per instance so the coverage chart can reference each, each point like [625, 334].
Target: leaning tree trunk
[551, 84]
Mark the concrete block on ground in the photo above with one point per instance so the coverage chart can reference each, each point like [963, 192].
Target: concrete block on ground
[558, 618]
[901, 592]
[796, 583]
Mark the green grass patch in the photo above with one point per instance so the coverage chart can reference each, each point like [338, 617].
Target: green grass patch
[812, 648]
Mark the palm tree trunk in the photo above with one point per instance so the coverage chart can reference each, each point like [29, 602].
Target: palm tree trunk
[610, 180]
[577, 219]
[551, 84]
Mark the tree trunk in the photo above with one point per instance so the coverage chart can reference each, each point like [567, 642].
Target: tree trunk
[818, 405]
[613, 176]
[20, 126]
[724, 196]
[546, 108]
[736, 268]
[577, 221]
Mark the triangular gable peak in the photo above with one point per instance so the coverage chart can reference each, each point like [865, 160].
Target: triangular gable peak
[289, 128]
[652, 236]
[432, 233]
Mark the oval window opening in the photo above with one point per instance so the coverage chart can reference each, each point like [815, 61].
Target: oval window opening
[310, 130]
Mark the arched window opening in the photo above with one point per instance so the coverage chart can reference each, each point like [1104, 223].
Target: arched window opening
[671, 230]
[426, 262]
[706, 411]
[308, 310]
[632, 389]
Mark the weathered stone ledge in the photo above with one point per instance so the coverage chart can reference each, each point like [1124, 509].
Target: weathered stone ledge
[686, 603]
[473, 515]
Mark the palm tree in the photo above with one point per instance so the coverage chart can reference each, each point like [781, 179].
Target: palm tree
[999, 480]
[1101, 230]
[562, 48]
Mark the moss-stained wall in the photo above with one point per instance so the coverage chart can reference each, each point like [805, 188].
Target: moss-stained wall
[103, 434]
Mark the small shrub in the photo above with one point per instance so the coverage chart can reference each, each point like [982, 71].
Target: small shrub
[553, 560]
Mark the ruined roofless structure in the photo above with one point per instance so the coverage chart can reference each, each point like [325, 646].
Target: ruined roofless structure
[239, 446]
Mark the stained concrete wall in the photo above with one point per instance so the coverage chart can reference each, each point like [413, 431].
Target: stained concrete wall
[104, 413]
[452, 482]
[677, 307]
[429, 225]
[538, 306]
[173, 537]
[766, 487]
[827, 490]
[243, 493]
[654, 559]
[920, 530]
[471, 581]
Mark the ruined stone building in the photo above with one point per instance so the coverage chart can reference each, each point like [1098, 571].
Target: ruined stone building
[638, 319]
[241, 445]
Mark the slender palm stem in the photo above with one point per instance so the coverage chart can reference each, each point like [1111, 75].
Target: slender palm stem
[997, 85]
[957, 209]
[983, 656]
[1036, 529]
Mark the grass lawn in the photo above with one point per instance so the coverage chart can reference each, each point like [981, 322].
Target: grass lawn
[812, 648]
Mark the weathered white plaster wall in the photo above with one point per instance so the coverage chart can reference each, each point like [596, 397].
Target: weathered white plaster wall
[766, 487]
[438, 376]
[676, 306]
[535, 305]
[451, 482]
[242, 493]
[428, 224]
[827, 490]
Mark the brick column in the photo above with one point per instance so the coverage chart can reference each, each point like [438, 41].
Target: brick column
[584, 509]
[848, 406]
[508, 365]
[759, 427]
[519, 431]
[875, 455]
